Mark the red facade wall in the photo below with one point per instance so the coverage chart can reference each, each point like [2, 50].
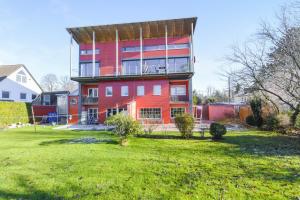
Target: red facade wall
[40, 110]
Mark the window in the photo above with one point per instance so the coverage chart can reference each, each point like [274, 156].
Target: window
[154, 66]
[73, 101]
[178, 90]
[5, 94]
[46, 99]
[108, 91]
[131, 67]
[140, 90]
[21, 77]
[33, 96]
[177, 111]
[23, 96]
[89, 51]
[92, 114]
[156, 89]
[114, 111]
[178, 46]
[124, 91]
[150, 113]
[86, 69]
[93, 92]
[131, 49]
[176, 65]
[154, 47]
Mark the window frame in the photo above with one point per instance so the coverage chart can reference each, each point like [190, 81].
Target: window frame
[137, 90]
[93, 92]
[106, 90]
[176, 89]
[93, 113]
[122, 90]
[45, 102]
[184, 110]
[153, 90]
[84, 52]
[151, 118]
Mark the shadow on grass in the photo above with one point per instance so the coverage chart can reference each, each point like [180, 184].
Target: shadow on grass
[73, 141]
[267, 145]
[176, 137]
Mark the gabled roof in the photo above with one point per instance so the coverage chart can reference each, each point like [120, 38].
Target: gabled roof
[131, 31]
[6, 70]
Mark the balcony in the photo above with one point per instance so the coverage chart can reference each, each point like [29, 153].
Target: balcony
[86, 100]
[179, 99]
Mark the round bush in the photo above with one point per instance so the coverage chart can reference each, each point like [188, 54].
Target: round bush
[250, 120]
[185, 124]
[217, 130]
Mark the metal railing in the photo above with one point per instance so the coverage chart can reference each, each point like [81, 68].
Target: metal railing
[86, 100]
[179, 98]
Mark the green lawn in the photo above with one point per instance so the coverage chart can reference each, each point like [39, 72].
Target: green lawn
[245, 165]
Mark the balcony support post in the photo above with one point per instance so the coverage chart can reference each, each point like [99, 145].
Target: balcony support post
[190, 96]
[192, 48]
[141, 51]
[94, 55]
[166, 41]
[71, 44]
[117, 53]
[79, 103]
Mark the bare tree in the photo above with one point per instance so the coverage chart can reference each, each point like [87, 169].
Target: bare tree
[269, 65]
[65, 83]
[49, 82]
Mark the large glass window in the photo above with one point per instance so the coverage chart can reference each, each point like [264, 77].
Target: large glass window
[46, 99]
[176, 65]
[156, 89]
[86, 69]
[177, 90]
[140, 90]
[150, 113]
[131, 67]
[131, 49]
[92, 114]
[178, 46]
[21, 77]
[5, 94]
[177, 111]
[154, 47]
[154, 66]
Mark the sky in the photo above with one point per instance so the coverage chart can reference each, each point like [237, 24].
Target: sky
[34, 32]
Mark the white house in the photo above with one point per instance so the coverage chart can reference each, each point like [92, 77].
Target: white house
[17, 84]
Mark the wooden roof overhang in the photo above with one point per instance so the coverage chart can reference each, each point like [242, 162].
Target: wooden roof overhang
[173, 76]
[131, 31]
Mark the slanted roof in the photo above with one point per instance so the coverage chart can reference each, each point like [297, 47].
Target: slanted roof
[131, 31]
[6, 70]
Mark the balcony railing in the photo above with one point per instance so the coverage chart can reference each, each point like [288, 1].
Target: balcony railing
[179, 98]
[86, 100]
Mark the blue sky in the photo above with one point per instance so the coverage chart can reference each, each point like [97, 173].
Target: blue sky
[33, 32]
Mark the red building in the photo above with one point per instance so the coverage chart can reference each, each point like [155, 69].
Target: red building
[144, 69]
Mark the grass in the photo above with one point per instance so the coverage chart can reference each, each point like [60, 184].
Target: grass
[245, 165]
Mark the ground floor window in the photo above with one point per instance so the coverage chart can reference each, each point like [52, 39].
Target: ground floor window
[150, 113]
[114, 111]
[177, 111]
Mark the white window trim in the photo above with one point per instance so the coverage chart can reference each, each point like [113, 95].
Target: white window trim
[93, 109]
[153, 92]
[161, 114]
[175, 107]
[178, 86]
[137, 90]
[124, 86]
[93, 88]
[111, 91]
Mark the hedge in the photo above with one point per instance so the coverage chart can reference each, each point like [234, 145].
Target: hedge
[14, 112]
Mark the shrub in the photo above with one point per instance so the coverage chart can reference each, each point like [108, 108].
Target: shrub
[217, 130]
[250, 120]
[271, 123]
[297, 122]
[14, 112]
[124, 126]
[185, 124]
[284, 119]
[256, 107]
